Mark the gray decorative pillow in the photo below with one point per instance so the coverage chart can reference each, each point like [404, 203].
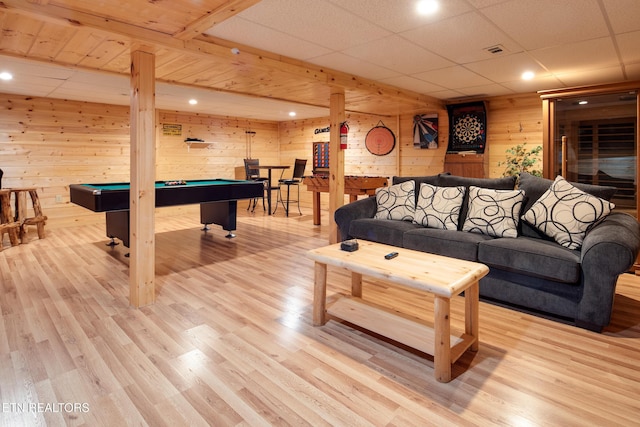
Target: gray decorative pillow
[494, 212]
[396, 201]
[439, 207]
[566, 213]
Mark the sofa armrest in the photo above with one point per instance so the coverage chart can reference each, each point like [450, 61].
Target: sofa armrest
[613, 244]
[363, 208]
[608, 250]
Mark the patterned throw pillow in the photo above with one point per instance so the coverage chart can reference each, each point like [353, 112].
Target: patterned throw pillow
[565, 213]
[494, 212]
[439, 207]
[396, 201]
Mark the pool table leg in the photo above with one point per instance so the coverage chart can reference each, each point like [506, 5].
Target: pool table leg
[220, 213]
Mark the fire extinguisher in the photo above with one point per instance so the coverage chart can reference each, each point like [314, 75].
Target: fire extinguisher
[344, 132]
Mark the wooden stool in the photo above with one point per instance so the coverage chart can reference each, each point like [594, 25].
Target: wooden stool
[37, 219]
[7, 220]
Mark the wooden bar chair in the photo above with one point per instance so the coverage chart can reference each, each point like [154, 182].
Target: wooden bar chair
[253, 174]
[8, 224]
[38, 219]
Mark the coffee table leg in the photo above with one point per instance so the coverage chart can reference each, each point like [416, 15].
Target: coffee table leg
[442, 329]
[356, 285]
[319, 294]
[471, 316]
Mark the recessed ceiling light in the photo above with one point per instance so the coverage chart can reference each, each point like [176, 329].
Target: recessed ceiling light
[193, 101]
[528, 75]
[427, 7]
[6, 75]
[583, 102]
[292, 113]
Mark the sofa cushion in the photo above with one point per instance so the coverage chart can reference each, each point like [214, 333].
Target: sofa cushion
[535, 186]
[566, 213]
[439, 207]
[531, 256]
[451, 243]
[396, 202]
[446, 180]
[419, 180]
[493, 212]
[381, 230]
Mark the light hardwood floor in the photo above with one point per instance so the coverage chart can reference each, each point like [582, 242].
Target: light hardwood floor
[230, 342]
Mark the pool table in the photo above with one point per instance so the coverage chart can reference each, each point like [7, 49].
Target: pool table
[218, 199]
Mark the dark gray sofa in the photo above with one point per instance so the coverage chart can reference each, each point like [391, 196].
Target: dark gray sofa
[531, 272]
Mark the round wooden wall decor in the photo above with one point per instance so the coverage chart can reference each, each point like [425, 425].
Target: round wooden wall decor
[380, 140]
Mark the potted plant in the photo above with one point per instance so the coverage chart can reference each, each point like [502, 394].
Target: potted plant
[520, 159]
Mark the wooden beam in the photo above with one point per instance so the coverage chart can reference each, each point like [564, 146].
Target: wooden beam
[208, 46]
[336, 165]
[142, 201]
[225, 11]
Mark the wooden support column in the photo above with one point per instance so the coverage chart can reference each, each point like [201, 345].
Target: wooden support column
[142, 201]
[336, 156]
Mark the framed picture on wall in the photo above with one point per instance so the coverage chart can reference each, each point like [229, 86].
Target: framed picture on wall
[425, 131]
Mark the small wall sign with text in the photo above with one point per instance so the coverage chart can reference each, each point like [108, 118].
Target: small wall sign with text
[169, 129]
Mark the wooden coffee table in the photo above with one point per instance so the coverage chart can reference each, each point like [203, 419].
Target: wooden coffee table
[442, 276]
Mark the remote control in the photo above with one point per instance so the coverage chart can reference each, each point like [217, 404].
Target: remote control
[391, 255]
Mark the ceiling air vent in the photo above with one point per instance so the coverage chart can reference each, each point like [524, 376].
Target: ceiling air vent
[495, 49]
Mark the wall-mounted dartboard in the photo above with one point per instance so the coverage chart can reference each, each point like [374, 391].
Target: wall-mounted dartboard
[380, 140]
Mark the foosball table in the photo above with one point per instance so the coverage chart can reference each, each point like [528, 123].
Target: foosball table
[354, 186]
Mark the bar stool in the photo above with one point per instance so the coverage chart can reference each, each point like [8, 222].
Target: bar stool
[7, 221]
[38, 219]
[296, 179]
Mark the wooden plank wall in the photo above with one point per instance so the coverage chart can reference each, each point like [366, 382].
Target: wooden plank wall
[51, 143]
[297, 137]
[512, 120]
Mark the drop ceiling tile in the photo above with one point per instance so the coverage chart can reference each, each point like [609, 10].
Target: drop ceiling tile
[485, 3]
[591, 77]
[447, 95]
[540, 23]
[249, 33]
[485, 91]
[453, 77]
[624, 15]
[358, 67]
[31, 86]
[398, 54]
[575, 56]
[102, 79]
[540, 82]
[315, 21]
[505, 68]
[469, 44]
[19, 66]
[400, 15]
[78, 91]
[413, 84]
[628, 44]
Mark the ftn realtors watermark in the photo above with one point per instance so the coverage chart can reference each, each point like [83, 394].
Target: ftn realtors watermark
[40, 407]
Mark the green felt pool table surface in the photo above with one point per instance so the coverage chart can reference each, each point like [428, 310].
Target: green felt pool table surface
[164, 184]
[104, 197]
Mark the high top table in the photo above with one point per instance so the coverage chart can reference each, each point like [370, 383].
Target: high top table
[442, 276]
[271, 187]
